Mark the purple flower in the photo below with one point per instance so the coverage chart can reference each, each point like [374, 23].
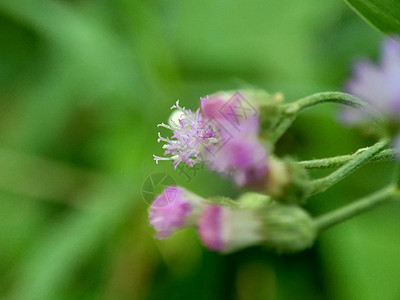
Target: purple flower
[223, 133]
[378, 85]
[175, 209]
[239, 152]
[245, 160]
[190, 134]
[233, 111]
[225, 229]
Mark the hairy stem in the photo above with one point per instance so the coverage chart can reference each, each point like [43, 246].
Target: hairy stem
[337, 161]
[357, 208]
[322, 184]
[326, 97]
[291, 110]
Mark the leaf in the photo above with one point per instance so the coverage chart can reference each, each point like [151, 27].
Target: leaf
[382, 14]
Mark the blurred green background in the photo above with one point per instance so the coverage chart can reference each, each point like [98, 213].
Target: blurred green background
[83, 84]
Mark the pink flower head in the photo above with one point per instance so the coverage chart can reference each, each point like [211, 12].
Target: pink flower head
[190, 134]
[223, 133]
[225, 229]
[176, 208]
[239, 152]
[233, 111]
[378, 85]
[245, 160]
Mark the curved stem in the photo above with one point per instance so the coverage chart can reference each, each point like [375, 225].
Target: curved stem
[322, 184]
[283, 125]
[290, 111]
[357, 208]
[337, 161]
[326, 97]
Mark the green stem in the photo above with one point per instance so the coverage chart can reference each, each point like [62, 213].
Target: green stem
[282, 127]
[357, 208]
[290, 111]
[322, 184]
[325, 97]
[337, 161]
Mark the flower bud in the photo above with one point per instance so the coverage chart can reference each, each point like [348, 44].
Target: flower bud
[284, 228]
[288, 228]
[225, 229]
[174, 209]
[287, 181]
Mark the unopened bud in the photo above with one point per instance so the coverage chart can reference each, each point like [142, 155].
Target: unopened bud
[287, 182]
[225, 229]
[288, 228]
[256, 220]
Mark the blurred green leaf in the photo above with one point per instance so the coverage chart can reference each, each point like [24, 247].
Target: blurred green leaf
[42, 178]
[54, 258]
[362, 256]
[383, 14]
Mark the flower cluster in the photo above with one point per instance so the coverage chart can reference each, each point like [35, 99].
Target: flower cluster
[227, 228]
[223, 133]
[214, 223]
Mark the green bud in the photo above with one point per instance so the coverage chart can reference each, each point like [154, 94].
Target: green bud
[251, 200]
[288, 182]
[288, 229]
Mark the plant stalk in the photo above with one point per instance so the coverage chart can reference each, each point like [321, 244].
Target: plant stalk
[290, 111]
[357, 208]
[320, 185]
[337, 161]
